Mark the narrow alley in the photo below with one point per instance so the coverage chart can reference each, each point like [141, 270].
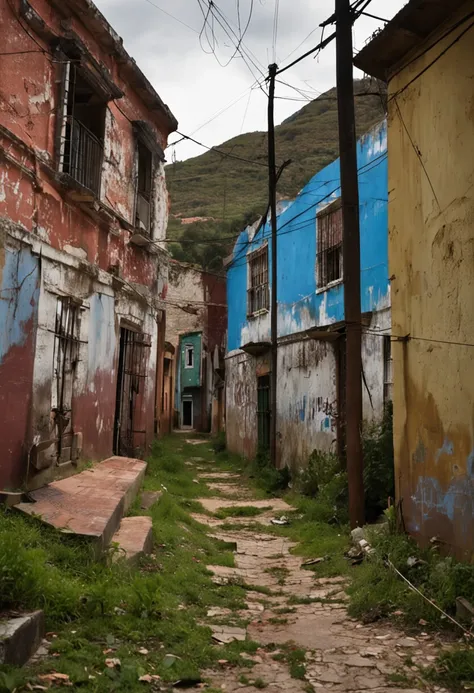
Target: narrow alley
[291, 609]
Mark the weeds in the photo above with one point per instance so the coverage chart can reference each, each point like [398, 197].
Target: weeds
[454, 669]
[377, 591]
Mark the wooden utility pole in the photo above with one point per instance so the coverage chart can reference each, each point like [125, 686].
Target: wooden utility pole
[351, 259]
[272, 182]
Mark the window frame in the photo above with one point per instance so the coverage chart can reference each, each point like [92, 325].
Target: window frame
[188, 349]
[263, 287]
[147, 195]
[324, 246]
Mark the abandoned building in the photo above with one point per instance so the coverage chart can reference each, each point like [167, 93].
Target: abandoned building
[426, 57]
[83, 269]
[311, 392]
[193, 370]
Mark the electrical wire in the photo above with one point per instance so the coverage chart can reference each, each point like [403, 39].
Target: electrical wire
[172, 16]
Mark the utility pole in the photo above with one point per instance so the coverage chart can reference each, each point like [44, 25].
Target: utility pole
[351, 259]
[272, 182]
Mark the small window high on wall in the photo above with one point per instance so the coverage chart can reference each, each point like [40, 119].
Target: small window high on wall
[144, 189]
[258, 293]
[189, 356]
[329, 250]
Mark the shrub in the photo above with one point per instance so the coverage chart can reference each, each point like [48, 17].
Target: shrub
[268, 478]
[321, 468]
[219, 442]
[379, 478]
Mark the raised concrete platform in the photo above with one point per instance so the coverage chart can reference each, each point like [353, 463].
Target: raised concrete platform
[20, 637]
[91, 503]
[134, 537]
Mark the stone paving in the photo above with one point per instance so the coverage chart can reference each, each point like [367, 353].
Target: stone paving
[340, 653]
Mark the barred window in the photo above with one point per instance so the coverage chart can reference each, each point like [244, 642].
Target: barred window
[257, 294]
[329, 250]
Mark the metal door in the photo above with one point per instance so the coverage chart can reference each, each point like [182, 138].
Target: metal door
[263, 412]
[130, 389]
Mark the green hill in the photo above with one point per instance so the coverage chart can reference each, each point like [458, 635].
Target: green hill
[229, 193]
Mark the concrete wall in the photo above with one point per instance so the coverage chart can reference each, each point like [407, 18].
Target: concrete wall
[310, 412]
[301, 305]
[196, 302]
[431, 219]
[57, 241]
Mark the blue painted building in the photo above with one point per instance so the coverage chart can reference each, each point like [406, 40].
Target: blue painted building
[310, 313]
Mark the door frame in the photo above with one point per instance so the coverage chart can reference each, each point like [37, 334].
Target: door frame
[190, 400]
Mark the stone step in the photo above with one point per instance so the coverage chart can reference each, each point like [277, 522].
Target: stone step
[20, 637]
[134, 538]
[91, 503]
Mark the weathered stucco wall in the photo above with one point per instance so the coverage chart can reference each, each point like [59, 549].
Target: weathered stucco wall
[57, 241]
[431, 223]
[300, 304]
[309, 391]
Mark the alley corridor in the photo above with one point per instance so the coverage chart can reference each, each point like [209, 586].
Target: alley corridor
[306, 639]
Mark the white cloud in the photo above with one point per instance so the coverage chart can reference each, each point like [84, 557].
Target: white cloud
[196, 87]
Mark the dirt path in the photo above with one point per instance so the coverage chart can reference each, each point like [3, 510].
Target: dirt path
[308, 641]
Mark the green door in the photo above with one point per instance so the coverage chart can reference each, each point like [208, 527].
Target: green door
[263, 412]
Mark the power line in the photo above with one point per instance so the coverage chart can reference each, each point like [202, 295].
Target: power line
[219, 151]
[172, 16]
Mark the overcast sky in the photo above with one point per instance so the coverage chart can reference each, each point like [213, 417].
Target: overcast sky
[186, 73]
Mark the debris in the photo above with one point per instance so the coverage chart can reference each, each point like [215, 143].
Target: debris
[226, 634]
[169, 660]
[315, 561]
[56, 677]
[222, 661]
[280, 521]
[422, 622]
[112, 663]
[107, 651]
[119, 612]
[149, 678]
[143, 651]
[357, 535]
[413, 561]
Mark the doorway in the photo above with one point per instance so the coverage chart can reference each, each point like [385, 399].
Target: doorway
[130, 389]
[187, 421]
[263, 412]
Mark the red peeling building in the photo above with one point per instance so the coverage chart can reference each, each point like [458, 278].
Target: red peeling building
[83, 265]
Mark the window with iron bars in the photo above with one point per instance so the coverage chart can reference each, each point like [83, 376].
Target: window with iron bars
[144, 189]
[257, 293]
[81, 129]
[387, 369]
[329, 244]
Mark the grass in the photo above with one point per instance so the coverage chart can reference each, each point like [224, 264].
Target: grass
[454, 669]
[96, 607]
[377, 591]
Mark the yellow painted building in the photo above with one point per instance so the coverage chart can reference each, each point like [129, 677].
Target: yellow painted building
[426, 55]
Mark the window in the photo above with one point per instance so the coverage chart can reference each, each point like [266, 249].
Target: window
[82, 126]
[387, 369]
[189, 356]
[258, 295]
[144, 189]
[329, 252]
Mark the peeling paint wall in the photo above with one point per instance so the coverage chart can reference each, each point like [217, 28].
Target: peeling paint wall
[56, 241]
[308, 413]
[196, 302]
[431, 251]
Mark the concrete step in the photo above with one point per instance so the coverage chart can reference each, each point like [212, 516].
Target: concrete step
[20, 637]
[134, 538]
[91, 503]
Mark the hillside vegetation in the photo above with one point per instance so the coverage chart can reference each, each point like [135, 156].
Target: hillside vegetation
[229, 193]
